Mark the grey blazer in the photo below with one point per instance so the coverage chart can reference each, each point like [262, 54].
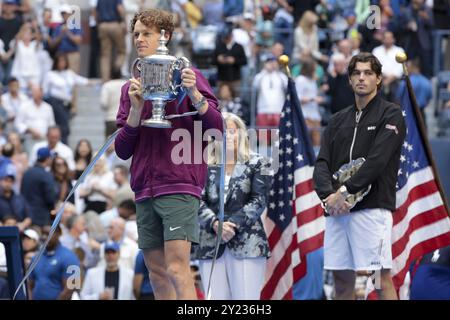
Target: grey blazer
[245, 202]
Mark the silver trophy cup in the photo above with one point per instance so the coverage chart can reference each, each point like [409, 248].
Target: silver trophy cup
[160, 76]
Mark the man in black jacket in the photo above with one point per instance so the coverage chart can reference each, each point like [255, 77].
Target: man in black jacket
[358, 238]
[39, 188]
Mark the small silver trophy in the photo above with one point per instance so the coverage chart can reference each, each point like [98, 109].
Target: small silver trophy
[160, 76]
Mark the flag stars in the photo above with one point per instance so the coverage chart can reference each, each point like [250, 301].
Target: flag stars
[410, 147]
[290, 177]
[290, 189]
[288, 124]
[281, 204]
[271, 192]
[289, 163]
[405, 144]
[282, 217]
[415, 164]
[299, 157]
[288, 150]
[288, 137]
[402, 158]
[399, 172]
[295, 140]
[404, 113]
[281, 191]
[272, 205]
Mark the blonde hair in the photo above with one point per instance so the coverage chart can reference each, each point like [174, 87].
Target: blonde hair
[243, 147]
[308, 21]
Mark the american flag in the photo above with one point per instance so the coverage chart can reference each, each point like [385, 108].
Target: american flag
[294, 221]
[420, 222]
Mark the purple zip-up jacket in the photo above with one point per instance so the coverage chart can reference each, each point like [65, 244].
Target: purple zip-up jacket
[153, 171]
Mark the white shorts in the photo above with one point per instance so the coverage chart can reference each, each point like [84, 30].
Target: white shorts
[359, 241]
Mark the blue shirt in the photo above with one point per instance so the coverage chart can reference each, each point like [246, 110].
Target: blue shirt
[421, 87]
[140, 268]
[66, 45]
[310, 287]
[107, 11]
[52, 269]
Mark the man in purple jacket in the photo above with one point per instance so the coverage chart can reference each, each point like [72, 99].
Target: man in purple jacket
[167, 191]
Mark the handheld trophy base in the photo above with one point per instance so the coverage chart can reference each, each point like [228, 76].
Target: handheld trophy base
[157, 120]
[156, 123]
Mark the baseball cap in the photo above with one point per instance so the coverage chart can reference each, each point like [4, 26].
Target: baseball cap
[112, 246]
[8, 170]
[249, 16]
[10, 2]
[66, 8]
[269, 57]
[32, 234]
[43, 153]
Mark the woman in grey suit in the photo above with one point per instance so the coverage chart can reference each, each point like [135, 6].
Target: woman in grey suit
[240, 268]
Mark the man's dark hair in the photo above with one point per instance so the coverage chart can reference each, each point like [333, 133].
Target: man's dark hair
[375, 64]
[128, 204]
[72, 220]
[12, 79]
[157, 18]
[123, 169]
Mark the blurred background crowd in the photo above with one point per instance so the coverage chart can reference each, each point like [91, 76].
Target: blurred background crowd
[62, 64]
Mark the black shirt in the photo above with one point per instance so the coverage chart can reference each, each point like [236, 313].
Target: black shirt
[112, 281]
[9, 29]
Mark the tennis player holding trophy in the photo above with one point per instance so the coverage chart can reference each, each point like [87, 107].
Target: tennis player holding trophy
[167, 192]
[355, 176]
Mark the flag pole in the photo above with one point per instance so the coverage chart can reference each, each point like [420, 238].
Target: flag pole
[402, 58]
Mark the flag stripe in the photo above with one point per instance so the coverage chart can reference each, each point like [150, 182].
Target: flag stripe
[312, 244]
[310, 229]
[309, 215]
[416, 178]
[421, 248]
[425, 218]
[417, 192]
[416, 208]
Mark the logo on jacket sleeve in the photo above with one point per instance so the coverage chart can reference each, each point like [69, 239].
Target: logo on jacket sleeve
[392, 127]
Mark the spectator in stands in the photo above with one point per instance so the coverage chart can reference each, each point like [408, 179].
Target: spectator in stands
[19, 157]
[12, 203]
[122, 179]
[392, 70]
[30, 241]
[127, 211]
[229, 57]
[110, 100]
[239, 271]
[142, 287]
[26, 66]
[110, 282]
[415, 25]
[78, 238]
[12, 99]
[59, 86]
[56, 147]
[62, 176]
[283, 23]
[98, 188]
[110, 15]
[310, 99]
[228, 102]
[264, 29]
[306, 38]
[10, 25]
[34, 119]
[83, 156]
[66, 39]
[339, 89]
[421, 86]
[39, 188]
[50, 279]
[244, 34]
[270, 86]
[213, 13]
[128, 247]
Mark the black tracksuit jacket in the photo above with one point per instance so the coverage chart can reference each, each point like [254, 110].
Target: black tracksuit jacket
[377, 137]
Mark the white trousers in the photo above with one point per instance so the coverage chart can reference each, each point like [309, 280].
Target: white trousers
[233, 278]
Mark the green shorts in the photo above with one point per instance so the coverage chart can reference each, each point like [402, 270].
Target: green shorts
[170, 217]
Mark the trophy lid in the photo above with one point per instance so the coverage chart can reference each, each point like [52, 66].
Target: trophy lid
[162, 49]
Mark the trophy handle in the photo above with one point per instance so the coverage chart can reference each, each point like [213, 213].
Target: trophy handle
[136, 68]
[178, 66]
